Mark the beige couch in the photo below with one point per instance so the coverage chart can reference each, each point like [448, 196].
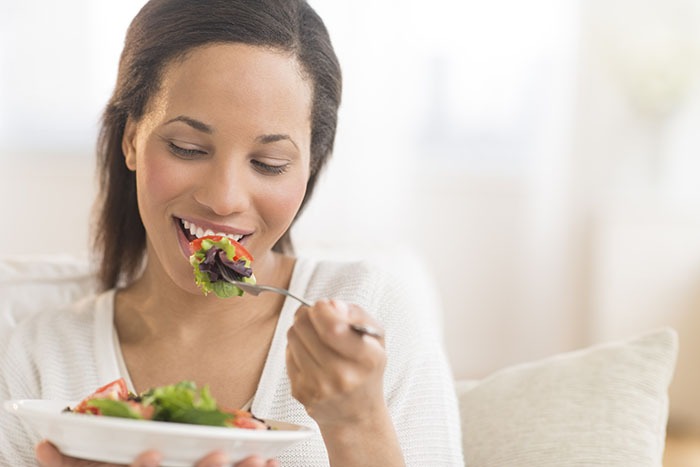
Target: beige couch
[602, 406]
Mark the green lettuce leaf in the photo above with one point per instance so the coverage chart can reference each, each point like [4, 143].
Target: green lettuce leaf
[221, 288]
[115, 408]
[184, 403]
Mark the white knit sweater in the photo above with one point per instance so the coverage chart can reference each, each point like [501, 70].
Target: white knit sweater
[66, 354]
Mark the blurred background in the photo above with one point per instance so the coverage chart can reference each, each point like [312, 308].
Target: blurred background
[540, 160]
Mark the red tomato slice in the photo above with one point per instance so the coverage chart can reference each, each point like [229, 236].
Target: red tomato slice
[241, 252]
[248, 423]
[244, 419]
[116, 390]
[146, 412]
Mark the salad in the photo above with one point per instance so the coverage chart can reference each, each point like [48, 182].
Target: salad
[213, 253]
[179, 403]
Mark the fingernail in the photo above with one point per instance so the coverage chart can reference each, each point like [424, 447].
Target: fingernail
[215, 464]
[217, 460]
[151, 459]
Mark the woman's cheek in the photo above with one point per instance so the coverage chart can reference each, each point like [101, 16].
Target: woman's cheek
[286, 200]
[161, 178]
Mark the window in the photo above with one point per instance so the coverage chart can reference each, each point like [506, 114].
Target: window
[58, 62]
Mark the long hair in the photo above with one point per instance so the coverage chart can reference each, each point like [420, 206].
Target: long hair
[166, 30]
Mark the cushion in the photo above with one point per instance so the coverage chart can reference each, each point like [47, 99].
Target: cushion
[606, 405]
[29, 284]
[602, 406]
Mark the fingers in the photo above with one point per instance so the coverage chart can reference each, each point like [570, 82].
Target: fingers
[326, 327]
[148, 459]
[304, 349]
[220, 459]
[333, 370]
[257, 462]
[47, 455]
[216, 459]
[321, 341]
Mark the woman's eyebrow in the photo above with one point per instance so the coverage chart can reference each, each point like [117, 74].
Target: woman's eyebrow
[194, 123]
[266, 139]
[203, 127]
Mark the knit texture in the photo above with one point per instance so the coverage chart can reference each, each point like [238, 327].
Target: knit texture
[67, 353]
[602, 406]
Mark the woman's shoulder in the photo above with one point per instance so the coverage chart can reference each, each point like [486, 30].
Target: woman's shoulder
[398, 284]
[343, 278]
[51, 354]
[63, 323]
[78, 311]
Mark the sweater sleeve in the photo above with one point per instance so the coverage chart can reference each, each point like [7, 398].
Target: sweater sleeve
[418, 383]
[18, 380]
[47, 356]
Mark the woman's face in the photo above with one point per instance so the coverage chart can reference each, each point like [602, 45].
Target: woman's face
[224, 148]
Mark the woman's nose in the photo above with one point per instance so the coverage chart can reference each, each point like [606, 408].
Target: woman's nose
[225, 188]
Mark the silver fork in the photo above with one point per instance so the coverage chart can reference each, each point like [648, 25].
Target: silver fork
[257, 289]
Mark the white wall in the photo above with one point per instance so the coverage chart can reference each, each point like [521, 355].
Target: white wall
[46, 203]
[646, 271]
[636, 151]
[591, 232]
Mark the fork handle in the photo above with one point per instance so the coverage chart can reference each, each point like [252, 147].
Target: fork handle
[361, 329]
[299, 299]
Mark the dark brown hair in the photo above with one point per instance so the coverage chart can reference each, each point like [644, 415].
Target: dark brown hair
[165, 30]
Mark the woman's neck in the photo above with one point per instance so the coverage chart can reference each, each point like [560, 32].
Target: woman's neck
[154, 306]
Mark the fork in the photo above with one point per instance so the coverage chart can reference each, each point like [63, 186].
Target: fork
[257, 289]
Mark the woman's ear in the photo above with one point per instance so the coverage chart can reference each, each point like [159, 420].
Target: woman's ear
[129, 144]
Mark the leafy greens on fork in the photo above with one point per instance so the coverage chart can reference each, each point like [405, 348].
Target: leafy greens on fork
[214, 254]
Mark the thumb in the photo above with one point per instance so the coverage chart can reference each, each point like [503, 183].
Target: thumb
[47, 455]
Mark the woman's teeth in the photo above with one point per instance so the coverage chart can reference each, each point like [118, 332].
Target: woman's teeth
[200, 232]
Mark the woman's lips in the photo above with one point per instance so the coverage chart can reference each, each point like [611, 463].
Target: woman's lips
[188, 231]
[183, 240]
[198, 229]
[193, 231]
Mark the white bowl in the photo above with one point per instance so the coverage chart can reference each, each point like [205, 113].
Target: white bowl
[120, 440]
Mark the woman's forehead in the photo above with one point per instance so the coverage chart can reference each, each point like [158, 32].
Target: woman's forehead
[237, 71]
[235, 86]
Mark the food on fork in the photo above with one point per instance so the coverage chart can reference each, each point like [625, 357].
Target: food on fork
[213, 253]
[178, 403]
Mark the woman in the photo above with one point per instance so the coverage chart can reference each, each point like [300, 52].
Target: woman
[223, 115]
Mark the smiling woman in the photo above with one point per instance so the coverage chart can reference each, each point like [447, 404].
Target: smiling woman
[225, 170]
[222, 117]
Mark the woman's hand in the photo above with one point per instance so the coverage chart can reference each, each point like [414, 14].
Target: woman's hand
[335, 372]
[49, 456]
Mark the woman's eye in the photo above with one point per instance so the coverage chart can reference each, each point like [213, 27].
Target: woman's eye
[269, 169]
[185, 153]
